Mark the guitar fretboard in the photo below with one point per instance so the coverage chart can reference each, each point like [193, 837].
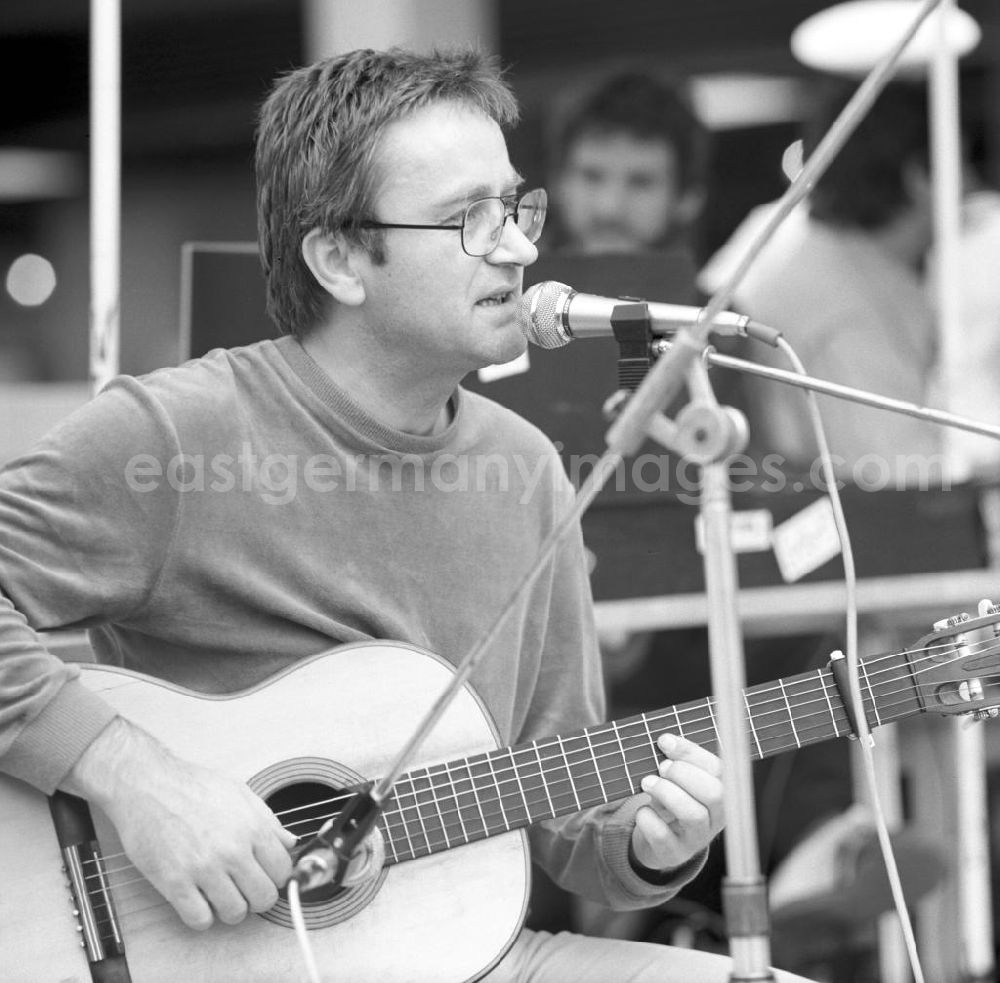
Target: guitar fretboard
[447, 805]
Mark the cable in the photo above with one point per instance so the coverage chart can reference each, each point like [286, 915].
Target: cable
[301, 932]
[854, 683]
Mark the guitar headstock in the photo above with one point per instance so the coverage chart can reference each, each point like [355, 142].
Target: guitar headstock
[956, 667]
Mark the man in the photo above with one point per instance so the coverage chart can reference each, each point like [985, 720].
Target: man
[394, 238]
[627, 166]
[842, 279]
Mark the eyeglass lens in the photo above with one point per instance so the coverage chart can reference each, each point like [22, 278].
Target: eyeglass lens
[485, 219]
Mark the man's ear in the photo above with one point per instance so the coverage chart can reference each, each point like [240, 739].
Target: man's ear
[331, 259]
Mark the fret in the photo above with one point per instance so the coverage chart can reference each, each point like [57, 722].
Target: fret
[625, 762]
[772, 727]
[791, 716]
[558, 779]
[895, 669]
[699, 723]
[613, 774]
[652, 741]
[488, 792]
[446, 774]
[545, 784]
[569, 771]
[583, 768]
[530, 783]
[516, 806]
[597, 767]
[429, 812]
[401, 791]
[863, 670]
[468, 798]
[811, 709]
[753, 730]
[388, 837]
[826, 693]
[715, 726]
[520, 788]
[644, 760]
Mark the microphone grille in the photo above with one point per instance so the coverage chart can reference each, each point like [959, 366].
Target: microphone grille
[541, 314]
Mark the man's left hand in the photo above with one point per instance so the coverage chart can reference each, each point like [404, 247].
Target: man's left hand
[685, 812]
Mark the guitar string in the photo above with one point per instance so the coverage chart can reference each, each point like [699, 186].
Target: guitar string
[429, 774]
[691, 723]
[127, 913]
[453, 827]
[446, 842]
[758, 709]
[758, 706]
[473, 788]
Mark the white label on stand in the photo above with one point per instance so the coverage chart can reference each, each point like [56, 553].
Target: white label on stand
[806, 541]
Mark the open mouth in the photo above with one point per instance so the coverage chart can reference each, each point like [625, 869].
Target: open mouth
[496, 300]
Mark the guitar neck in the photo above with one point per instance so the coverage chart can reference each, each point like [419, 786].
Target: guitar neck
[447, 805]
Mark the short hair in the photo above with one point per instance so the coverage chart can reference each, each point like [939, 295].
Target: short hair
[316, 145]
[643, 107]
[864, 187]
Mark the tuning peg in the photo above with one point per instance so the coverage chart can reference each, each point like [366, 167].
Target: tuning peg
[953, 622]
[989, 713]
[986, 608]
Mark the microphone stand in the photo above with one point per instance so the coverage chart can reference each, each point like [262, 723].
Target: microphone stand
[707, 435]
[862, 396]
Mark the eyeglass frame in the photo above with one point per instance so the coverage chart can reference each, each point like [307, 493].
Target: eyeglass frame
[372, 224]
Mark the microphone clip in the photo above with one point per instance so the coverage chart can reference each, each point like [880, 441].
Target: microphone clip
[633, 329]
[325, 859]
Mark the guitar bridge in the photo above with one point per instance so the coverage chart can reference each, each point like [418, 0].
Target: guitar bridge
[90, 888]
[95, 913]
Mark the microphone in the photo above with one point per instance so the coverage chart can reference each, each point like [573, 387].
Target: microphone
[342, 851]
[552, 315]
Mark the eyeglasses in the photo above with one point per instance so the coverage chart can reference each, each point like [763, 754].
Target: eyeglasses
[484, 220]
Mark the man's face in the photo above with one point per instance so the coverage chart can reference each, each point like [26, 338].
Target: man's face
[431, 306]
[618, 193]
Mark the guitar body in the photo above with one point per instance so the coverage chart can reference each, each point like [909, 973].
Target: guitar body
[339, 716]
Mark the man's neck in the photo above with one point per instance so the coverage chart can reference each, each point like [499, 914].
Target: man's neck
[385, 390]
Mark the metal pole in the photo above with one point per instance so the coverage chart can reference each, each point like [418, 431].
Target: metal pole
[744, 889]
[105, 189]
[972, 879]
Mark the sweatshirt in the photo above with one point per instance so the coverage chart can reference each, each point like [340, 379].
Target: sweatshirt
[213, 523]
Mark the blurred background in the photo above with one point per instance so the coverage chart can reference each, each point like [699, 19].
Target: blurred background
[193, 72]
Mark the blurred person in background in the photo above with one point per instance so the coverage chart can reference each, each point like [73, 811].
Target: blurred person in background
[628, 160]
[627, 168]
[842, 279]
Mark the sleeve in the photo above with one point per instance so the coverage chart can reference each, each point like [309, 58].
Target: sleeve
[586, 852]
[82, 539]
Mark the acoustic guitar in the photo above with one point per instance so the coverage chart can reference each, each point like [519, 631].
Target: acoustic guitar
[450, 897]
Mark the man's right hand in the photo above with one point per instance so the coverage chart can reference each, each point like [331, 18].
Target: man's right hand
[208, 844]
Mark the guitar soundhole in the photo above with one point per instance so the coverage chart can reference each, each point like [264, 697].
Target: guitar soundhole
[304, 793]
[303, 808]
